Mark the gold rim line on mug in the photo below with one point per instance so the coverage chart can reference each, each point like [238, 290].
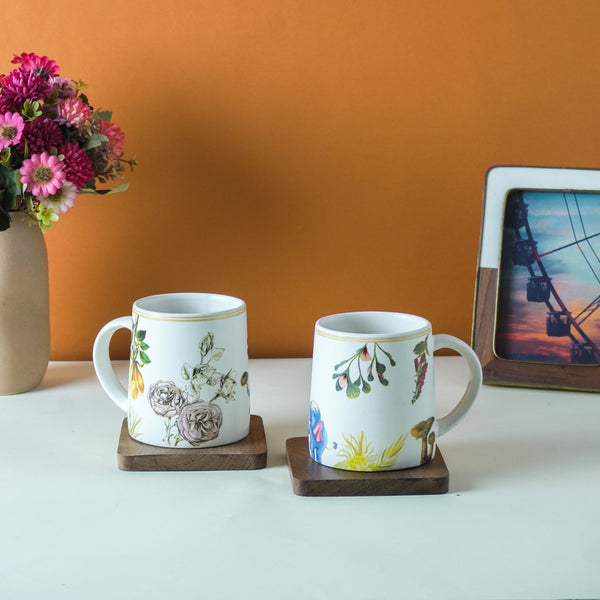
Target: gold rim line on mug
[363, 337]
[156, 316]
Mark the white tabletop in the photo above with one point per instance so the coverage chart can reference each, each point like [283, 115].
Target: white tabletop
[520, 519]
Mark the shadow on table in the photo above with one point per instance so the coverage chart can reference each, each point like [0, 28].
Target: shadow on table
[489, 462]
[277, 433]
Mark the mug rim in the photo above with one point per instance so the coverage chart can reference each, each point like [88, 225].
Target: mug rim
[231, 306]
[326, 326]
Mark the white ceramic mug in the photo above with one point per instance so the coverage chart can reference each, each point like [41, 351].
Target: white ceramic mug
[372, 401]
[188, 370]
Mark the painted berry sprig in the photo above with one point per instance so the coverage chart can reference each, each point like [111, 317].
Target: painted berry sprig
[421, 351]
[362, 382]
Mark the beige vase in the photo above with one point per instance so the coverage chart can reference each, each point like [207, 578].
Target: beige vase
[24, 307]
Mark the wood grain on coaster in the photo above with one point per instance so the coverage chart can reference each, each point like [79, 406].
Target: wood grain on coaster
[309, 478]
[247, 454]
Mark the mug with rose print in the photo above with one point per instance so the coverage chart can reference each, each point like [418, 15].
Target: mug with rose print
[188, 370]
[372, 401]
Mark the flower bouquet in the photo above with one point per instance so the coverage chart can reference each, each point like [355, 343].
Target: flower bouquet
[53, 144]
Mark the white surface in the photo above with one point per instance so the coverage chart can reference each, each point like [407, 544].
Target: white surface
[501, 180]
[520, 519]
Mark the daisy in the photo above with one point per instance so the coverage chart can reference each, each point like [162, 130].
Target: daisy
[11, 129]
[42, 174]
[63, 199]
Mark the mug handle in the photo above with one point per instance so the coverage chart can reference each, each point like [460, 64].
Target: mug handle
[101, 356]
[458, 412]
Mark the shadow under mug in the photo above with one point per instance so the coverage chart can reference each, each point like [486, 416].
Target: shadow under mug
[188, 370]
[372, 398]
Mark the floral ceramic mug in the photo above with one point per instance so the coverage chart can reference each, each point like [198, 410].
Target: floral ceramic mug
[188, 370]
[372, 402]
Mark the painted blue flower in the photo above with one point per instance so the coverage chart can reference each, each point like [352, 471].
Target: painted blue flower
[317, 435]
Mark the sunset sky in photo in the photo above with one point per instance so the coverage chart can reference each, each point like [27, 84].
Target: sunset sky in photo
[556, 219]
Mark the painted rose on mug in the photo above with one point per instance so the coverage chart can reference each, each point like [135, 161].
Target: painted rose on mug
[200, 422]
[165, 398]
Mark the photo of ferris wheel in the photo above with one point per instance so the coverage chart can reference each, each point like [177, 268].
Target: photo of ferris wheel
[549, 280]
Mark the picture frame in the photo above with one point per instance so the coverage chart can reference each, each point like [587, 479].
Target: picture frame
[536, 316]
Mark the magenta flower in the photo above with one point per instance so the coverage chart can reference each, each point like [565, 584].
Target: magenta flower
[23, 85]
[73, 111]
[41, 135]
[33, 62]
[11, 129]
[77, 165]
[43, 174]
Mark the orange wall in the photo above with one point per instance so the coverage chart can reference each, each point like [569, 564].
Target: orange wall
[308, 156]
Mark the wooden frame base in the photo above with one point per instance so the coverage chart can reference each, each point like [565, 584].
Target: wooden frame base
[513, 372]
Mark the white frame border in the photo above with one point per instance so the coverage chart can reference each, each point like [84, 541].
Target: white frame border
[500, 181]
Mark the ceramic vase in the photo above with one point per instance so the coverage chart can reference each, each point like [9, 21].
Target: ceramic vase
[24, 307]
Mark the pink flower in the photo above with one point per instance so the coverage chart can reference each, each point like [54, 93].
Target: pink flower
[116, 140]
[73, 111]
[64, 87]
[11, 129]
[24, 85]
[41, 135]
[318, 431]
[33, 62]
[63, 199]
[42, 174]
[77, 165]
[364, 354]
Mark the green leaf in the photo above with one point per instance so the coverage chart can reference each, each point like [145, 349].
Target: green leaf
[421, 348]
[4, 220]
[366, 388]
[140, 335]
[352, 390]
[144, 358]
[144, 346]
[95, 140]
[8, 183]
[5, 157]
[119, 188]
[336, 367]
[31, 110]
[380, 367]
[103, 115]
[391, 359]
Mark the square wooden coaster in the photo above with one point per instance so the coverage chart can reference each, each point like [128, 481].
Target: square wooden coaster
[247, 454]
[309, 478]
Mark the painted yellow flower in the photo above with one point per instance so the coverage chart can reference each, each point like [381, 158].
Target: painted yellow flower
[359, 455]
